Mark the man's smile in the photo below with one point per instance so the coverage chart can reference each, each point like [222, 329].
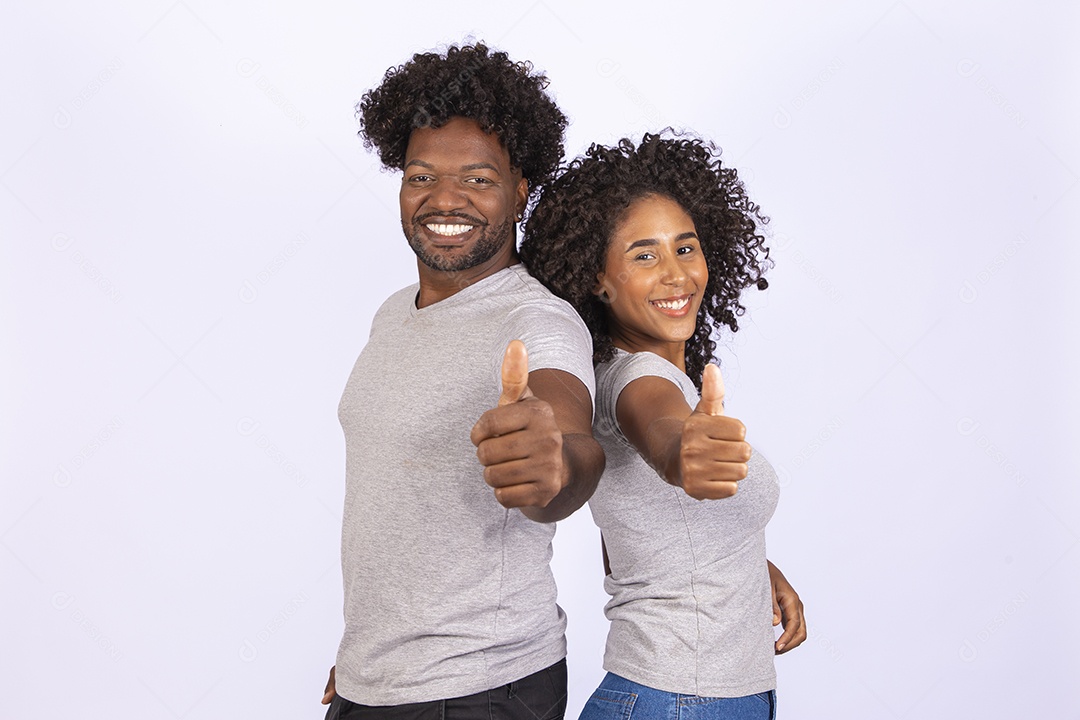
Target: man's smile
[447, 229]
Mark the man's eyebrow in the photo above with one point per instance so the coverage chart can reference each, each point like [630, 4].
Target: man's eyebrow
[464, 168]
[480, 166]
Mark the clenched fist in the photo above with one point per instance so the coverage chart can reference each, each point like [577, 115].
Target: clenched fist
[713, 451]
[519, 442]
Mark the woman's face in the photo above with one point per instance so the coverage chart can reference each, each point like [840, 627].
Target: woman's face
[653, 278]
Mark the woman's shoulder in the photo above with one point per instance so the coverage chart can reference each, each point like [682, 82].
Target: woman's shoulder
[614, 375]
[625, 367]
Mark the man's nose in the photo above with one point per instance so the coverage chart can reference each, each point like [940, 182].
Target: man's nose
[446, 195]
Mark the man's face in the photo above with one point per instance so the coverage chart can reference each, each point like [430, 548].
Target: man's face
[460, 197]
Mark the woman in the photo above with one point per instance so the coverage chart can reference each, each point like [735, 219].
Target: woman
[653, 246]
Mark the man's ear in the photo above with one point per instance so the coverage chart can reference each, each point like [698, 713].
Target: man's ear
[522, 199]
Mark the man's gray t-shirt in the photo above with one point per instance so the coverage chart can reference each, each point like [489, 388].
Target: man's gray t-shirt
[447, 593]
[691, 604]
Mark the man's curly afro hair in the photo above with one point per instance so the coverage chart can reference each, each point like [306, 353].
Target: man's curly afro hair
[567, 235]
[470, 81]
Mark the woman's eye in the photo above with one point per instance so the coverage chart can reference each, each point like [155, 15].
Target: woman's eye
[644, 256]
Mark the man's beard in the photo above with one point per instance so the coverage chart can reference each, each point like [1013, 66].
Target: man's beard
[487, 246]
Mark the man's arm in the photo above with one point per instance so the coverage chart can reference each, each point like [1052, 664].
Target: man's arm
[583, 460]
[331, 688]
[537, 447]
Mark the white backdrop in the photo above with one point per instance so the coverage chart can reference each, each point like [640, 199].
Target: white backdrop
[194, 241]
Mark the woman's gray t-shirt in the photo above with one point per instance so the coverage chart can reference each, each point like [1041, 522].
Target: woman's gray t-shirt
[691, 605]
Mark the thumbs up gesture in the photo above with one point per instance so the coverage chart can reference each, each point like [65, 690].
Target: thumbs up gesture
[519, 443]
[713, 451]
[515, 374]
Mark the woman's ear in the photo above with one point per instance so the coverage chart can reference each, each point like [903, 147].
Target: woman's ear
[602, 290]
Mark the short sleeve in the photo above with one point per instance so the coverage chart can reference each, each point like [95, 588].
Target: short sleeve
[555, 338]
[612, 378]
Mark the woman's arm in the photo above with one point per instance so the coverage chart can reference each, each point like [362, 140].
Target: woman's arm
[700, 450]
[788, 609]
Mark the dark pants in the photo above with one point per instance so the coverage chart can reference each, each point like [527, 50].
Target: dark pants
[540, 696]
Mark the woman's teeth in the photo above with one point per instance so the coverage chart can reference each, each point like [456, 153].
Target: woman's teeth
[671, 304]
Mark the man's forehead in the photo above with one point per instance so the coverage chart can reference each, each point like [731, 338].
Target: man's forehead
[459, 141]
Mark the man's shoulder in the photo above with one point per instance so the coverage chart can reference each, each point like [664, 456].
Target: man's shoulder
[399, 300]
[553, 332]
[403, 296]
[516, 279]
[528, 292]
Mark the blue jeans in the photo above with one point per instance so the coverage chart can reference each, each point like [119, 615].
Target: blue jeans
[620, 699]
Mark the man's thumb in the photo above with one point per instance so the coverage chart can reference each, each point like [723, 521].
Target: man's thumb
[515, 373]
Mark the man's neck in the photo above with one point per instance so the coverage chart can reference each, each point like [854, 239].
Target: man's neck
[438, 285]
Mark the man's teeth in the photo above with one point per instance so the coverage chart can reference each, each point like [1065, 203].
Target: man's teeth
[671, 304]
[448, 230]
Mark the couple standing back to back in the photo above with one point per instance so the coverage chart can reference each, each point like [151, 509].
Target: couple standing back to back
[468, 416]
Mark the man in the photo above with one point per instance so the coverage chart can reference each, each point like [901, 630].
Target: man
[461, 450]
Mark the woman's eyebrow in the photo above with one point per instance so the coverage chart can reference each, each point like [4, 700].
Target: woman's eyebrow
[652, 241]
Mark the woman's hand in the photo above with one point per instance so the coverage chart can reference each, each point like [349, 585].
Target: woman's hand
[713, 451]
[701, 450]
[787, 609]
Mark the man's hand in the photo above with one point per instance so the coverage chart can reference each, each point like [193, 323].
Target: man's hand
[519, 443]
[331, 688]
[713, 451]
[787, 609]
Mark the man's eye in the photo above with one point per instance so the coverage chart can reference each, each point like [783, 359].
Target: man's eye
[479, 181]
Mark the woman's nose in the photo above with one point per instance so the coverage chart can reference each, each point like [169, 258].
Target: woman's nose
[671, 270]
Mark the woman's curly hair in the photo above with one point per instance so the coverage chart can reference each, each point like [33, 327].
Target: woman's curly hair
[471, 81]
[567, 235]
